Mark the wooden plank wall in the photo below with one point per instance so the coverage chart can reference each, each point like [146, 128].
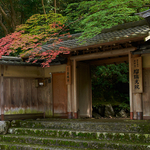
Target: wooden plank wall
[21, 96]
[23, 71]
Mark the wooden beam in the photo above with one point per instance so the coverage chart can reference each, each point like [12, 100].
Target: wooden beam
[109, 61]
[105, 54]
[141, 38]
[2, 92]
[23, 116]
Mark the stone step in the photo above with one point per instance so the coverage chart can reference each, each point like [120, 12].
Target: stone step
[76, 143]
[12, 146]
[86, 135]
[88, 125]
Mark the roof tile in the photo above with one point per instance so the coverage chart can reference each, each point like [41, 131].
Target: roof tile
[102, 38]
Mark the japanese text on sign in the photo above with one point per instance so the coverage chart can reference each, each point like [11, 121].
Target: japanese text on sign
[137, 75]
[68, 74]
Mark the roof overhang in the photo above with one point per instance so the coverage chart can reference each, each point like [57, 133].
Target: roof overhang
[145, 15]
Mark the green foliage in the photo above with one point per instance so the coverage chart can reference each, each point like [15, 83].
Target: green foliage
[23, 9]
[91, 17]
[42, 23]
[110, 85]
[61, 4]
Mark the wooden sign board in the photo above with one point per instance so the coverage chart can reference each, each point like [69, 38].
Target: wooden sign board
[137, 81]
[68, 75]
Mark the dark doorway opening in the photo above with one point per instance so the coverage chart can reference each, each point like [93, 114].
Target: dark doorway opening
[110, 90]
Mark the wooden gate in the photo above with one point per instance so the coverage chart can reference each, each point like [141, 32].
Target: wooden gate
[59, 93]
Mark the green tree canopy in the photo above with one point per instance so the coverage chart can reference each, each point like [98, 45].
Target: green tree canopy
[91, 17]
[42, 24]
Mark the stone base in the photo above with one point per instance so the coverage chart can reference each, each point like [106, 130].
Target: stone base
[4, 125]
[2, 117]
[139, 115]
[75, 115]
[131, 115]
[70, 115]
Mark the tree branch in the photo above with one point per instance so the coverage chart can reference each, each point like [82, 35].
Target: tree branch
[4, 27]
[5, 5]
[5, 16]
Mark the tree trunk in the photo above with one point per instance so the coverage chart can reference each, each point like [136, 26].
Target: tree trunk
[13, 16]
[3, 26]
[43, 7]
[55, 6]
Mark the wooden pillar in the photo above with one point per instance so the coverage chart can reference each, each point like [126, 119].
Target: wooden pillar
[68, 82]
[2, 93]
[51, 95]
[139, 109]
[75, 109]
[130, 87]
[69, 110]
[137, 86]
[90, 93]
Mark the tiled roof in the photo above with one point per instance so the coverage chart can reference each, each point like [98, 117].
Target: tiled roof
[123, 32]
[143, 49]
[9, 60]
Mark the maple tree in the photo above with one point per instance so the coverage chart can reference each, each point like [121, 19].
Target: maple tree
[28, 38]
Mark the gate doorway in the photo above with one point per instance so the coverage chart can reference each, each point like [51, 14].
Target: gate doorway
[84, 85]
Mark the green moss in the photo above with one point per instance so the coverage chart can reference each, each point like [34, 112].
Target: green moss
[48, 113]
[52, 142]
[22, 111]
[85, 144]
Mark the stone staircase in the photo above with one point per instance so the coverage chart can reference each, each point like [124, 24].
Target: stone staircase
[61, 134]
